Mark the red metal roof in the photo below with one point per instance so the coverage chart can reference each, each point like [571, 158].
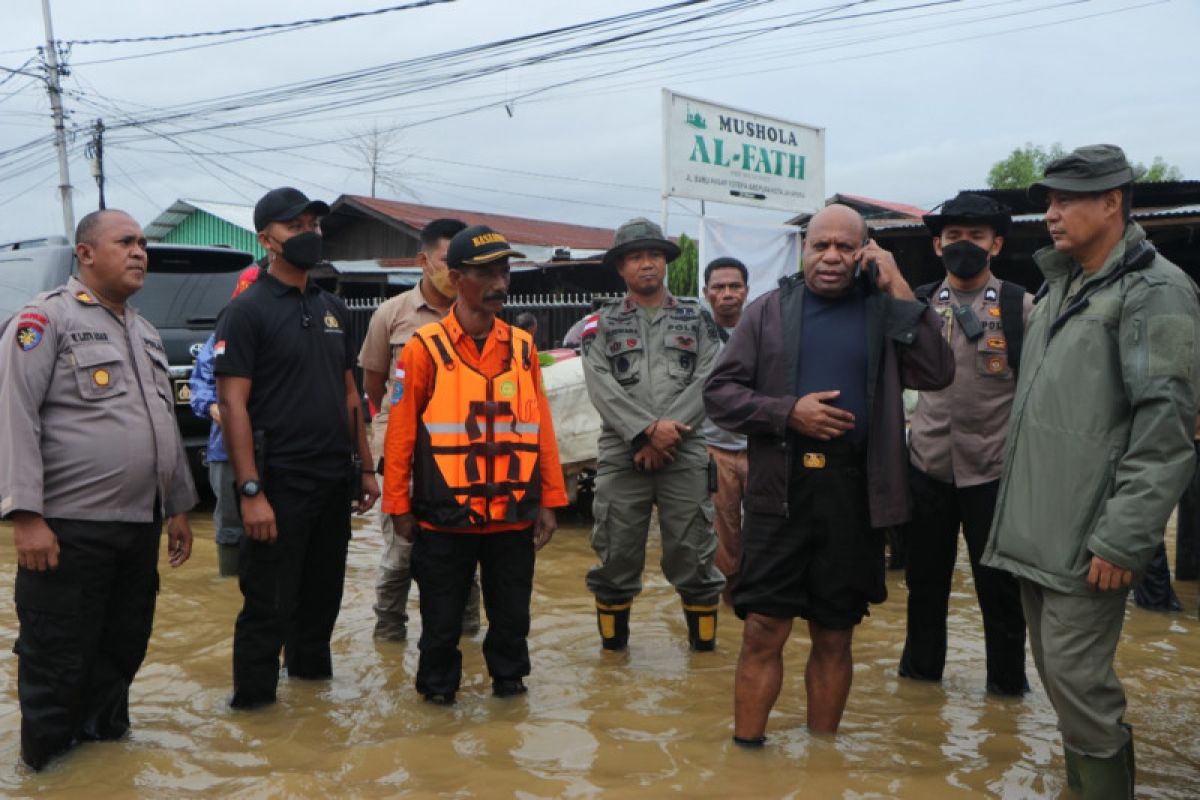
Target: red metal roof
[516, 229]
[899, 208]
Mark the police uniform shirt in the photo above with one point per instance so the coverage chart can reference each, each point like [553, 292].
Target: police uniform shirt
[958, 433]
[87, 414]
[294, 348]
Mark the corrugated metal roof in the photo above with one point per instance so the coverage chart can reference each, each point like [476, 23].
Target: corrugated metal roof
[1039, 218]
[241, 216]
[531, 232]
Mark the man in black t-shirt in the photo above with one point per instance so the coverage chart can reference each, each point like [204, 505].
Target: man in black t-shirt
[292, 417]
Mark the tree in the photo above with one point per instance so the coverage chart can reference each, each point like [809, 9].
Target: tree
[375, 149]
[1023, 166]
[1027, 164]
[683, 274]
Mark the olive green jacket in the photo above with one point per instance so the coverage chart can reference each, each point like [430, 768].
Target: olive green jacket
[1100, 439]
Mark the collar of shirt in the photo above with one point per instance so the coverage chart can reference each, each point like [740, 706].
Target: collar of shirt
[629, 305]
[500, 332]
[279, 288]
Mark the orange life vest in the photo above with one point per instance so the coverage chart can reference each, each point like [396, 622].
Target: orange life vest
[476, 455]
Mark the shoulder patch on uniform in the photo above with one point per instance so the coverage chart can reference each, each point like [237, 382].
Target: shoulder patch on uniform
[1172, 343]
[219, 348]
[85, 298]
[943, 295]
[29, 335]
[397, 385]
[990, 295]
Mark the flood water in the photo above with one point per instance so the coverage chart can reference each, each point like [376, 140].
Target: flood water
[653, 722]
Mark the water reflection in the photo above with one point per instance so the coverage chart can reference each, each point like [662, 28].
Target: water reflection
[650, 722]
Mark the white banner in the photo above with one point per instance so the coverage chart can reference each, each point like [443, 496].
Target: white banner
[768, 251]
[727, 155]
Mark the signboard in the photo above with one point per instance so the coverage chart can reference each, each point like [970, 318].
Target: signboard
[726, 155]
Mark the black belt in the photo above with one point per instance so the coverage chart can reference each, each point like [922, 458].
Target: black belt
[813, 454]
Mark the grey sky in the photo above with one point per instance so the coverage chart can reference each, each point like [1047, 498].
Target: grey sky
[916, 104]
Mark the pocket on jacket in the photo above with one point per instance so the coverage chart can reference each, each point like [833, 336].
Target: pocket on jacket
[99, 372]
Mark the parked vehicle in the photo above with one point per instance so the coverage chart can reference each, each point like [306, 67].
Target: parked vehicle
[186, 287]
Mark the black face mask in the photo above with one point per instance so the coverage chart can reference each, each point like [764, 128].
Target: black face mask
[964, 259]
[303, 250]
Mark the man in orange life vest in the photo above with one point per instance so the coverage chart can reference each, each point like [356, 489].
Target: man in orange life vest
[470, 427]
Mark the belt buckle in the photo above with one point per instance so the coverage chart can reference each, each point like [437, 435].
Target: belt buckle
[814, 461]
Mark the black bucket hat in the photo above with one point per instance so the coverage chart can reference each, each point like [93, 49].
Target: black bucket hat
[639, 234]
[1091, 168]
[970, 209]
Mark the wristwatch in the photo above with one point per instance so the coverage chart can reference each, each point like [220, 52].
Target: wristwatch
[250, 488]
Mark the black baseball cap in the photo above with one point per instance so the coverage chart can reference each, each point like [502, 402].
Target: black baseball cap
[280, 205]
[477, 245]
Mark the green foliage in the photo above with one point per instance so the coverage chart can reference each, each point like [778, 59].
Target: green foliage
[1027, 164]
[1023, 166]
[683, 274]
[1160, 170]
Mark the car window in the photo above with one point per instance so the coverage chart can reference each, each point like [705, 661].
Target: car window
[184, 300]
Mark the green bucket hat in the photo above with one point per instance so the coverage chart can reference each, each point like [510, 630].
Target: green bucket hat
[639, 234]
[1092, 168]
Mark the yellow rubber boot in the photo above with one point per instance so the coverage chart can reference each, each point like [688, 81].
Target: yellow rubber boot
[702, 625]
[613, 620]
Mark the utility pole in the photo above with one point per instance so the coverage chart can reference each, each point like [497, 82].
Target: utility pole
[54, 87]
[95, 153]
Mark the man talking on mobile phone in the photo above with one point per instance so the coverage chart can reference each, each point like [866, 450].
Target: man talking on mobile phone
[813, 375]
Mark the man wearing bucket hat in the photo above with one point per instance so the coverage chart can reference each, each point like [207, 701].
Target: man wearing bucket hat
[958, 446]
[645, 360]
[1099, 448]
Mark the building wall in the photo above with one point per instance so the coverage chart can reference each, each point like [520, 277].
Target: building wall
[203, 228]
[355, 238]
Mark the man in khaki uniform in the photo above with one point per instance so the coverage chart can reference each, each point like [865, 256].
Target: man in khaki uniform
[958, 446]
[91, 464]
[391, 326]
[645, 360]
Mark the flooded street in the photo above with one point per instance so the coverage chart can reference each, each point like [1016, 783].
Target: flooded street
[652, 722]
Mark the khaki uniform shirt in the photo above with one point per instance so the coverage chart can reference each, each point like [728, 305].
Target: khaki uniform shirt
[958, 433]
[390, 328]
[640, 368]
[87, 414]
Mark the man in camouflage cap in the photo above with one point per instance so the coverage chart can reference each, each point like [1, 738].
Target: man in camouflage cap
[1099, 448]
[645, 360]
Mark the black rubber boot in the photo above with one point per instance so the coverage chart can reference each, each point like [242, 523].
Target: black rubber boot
[701, 625]
[613, 620]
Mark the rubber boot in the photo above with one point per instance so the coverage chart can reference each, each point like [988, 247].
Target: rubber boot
[613, 619]
[1108, 778]
[701, 625]
[227, 560]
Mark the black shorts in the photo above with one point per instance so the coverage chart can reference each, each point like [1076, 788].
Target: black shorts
[823, 561]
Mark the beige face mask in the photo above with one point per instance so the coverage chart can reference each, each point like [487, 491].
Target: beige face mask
[439, 276]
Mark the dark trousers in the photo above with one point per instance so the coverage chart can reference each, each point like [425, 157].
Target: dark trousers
[932, 539]
[292, 589]
[1187, 529]
[84, 628]
[443, 565]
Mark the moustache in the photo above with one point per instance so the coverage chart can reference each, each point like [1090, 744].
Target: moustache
[496, 297]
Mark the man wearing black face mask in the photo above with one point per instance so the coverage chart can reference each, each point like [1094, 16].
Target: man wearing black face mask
[957, 450]
[292, 417]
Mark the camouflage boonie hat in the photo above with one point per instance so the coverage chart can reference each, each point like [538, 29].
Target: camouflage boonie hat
[639, 234]
[1092, 168]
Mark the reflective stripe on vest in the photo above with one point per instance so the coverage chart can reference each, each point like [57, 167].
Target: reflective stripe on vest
[476, 460]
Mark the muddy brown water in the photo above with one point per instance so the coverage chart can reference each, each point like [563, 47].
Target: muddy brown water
[652, 722]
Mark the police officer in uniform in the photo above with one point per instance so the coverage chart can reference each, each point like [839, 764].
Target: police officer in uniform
[958, 446]
[645, 360]
[91, 463]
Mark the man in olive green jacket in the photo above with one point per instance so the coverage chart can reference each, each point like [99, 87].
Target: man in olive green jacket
[1099, 448]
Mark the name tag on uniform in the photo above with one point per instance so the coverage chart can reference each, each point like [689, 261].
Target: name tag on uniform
[814, 461]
